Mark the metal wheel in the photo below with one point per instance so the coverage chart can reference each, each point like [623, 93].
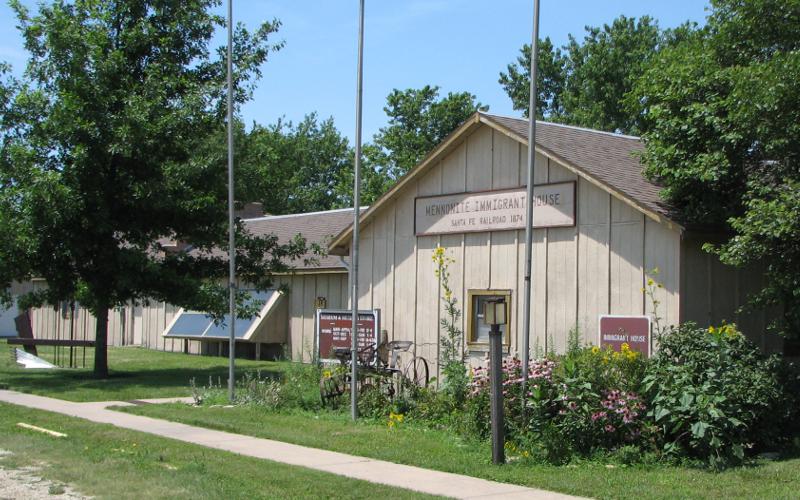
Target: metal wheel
[416, 372]
[331, 388]
[365, 388]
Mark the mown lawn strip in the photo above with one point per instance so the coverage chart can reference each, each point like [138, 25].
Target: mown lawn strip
[107, 462]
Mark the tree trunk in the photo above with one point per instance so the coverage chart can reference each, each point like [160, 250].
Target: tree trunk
[101, 344]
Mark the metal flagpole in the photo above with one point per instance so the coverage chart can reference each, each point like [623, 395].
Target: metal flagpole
[356, 214]
[526, 316]
[231, 240]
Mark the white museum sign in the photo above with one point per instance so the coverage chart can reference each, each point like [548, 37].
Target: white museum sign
[554, 206]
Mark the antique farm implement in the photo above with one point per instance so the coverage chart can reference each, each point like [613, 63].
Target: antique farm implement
[391, 368]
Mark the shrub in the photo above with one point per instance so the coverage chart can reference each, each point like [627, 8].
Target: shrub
[434, 408]
[297, 387]
[713, 394]
[373, 402]
[300, 388]
[607, 368]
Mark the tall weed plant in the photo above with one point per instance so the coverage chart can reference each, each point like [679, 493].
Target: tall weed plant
[451, 339]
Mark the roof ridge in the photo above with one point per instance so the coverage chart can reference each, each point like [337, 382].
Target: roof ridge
[286, 216]
[562, 125]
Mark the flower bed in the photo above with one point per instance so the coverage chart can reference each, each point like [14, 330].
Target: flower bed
[706, 395]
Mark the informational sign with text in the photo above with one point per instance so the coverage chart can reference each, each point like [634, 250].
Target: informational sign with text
[334, 329]
[554, 206]
[631, 330]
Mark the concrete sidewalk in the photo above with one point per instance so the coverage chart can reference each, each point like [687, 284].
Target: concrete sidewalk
[367, 469]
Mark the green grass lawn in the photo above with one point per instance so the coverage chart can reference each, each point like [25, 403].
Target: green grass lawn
[136, 373]
[444, 451]
[106, 462]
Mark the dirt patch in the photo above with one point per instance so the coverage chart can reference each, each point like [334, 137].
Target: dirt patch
[23, 483]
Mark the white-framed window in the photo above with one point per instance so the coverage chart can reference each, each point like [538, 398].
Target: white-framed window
[477, 330]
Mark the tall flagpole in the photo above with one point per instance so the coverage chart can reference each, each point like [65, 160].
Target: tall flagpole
[526, 315]
[356, 215]
[231, 240]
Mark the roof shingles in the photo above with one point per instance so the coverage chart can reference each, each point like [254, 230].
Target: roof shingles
[611, 159]
[315, 227]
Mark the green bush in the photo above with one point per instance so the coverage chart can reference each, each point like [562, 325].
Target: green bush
[436, 409]
[373, 402]
[713, 395]
[300, 386]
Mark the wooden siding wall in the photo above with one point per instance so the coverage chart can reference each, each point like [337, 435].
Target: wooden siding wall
[129, 325]
[303, 292]
[143, 325]
[597, 267]
[713, 293]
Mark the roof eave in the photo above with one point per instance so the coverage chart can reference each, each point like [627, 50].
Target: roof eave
[340, 244]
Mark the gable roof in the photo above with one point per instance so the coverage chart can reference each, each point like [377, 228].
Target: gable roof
[315, 227]
[607, 160]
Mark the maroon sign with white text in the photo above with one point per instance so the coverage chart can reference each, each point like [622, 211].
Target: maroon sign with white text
[631, 330]
[334, 329]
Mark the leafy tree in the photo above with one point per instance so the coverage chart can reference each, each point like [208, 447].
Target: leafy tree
[550, 87]
[604, 68]
[585, 82]
[418, 121]
[721, 123]
[10, 246]
[291, 168]
[376, 179]
[100, 158]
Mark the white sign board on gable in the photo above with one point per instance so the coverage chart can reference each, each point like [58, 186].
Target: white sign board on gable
[554, 206]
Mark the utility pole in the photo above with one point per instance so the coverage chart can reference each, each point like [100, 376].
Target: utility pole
[356, 216]
[231, 234]
[528, 295]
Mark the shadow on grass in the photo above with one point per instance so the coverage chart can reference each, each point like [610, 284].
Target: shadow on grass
[139, 373]
[64, 381]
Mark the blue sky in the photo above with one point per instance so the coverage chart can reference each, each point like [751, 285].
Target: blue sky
[460, 45]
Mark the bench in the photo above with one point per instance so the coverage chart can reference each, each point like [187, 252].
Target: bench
[25, 338]
[50, 342]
